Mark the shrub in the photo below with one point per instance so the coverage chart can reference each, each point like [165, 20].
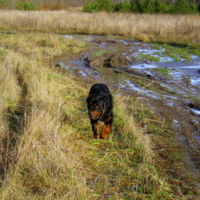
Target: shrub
[105, 5]
[123, 6]
[136, 6]
[90, 7]
[148, 6]
[183, 7]
[2, 4]
[99, 5]
[160, 7]
[26, 5]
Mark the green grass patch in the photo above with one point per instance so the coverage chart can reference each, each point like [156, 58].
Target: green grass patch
[196, 99]
[101, 52]
[110, 75]
[179, 52]
[148, 57]
[163, 71]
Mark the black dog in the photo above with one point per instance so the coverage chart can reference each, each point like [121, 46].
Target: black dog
[100, 106]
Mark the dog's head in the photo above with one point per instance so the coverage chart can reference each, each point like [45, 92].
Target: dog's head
[96, 106]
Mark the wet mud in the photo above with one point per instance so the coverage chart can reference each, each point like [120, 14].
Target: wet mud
[170, 88]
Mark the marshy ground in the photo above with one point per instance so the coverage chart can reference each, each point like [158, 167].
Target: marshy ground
[164, 77]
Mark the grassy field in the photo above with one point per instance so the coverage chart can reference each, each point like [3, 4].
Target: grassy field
[177, 29]
[47, 150]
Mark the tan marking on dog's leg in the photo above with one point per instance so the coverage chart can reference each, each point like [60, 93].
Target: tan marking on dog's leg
[106, 131]
[95, 133]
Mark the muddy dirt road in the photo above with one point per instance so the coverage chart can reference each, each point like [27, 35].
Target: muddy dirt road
[169, 86]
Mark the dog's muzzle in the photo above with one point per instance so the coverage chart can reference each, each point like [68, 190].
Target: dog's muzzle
[94, 115]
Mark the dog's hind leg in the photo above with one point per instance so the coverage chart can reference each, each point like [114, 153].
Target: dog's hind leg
[94, 128]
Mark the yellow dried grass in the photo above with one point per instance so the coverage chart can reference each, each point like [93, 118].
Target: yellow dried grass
[166, 28]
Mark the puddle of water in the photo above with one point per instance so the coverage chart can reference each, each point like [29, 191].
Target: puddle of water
[176, 69]
[151, 51]
[89, 38]
[152, 107]
[83, 73]
[157, 53]
[195, 111]
[177, 74]
[164, 59]
[197, 137]
[196, 134]
[195, 82]
[124, 42]
[131, 86]
[68, 36]
[79, 62]
[142, 66]
[194, 57]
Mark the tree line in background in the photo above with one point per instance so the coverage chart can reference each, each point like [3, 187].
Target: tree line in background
[142, 6]
[136, 6]
[40, 4]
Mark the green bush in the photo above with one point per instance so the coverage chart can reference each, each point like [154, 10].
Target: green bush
[160, 7]
[2, 4]
[26, 5]
[99, 5]
[183, 7]
[90, 7]
[148, 6]
[123, 6]
[105, 5]
[136, 6]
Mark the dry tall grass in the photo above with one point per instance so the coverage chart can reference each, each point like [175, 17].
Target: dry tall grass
[182, 29]
[35, 155]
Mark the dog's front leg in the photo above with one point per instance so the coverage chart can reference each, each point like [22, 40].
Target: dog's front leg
[94, 128]
[106, 128]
